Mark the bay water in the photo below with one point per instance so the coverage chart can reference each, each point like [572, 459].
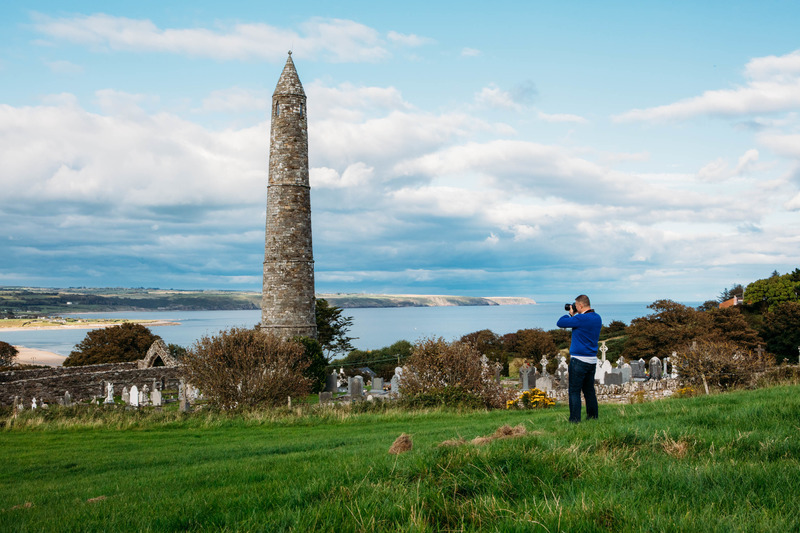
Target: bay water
[373, 328]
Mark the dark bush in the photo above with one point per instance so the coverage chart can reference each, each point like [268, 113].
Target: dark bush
[718, 364]
[7, 353]
[247, 368]
[117, 344]
[436, 365]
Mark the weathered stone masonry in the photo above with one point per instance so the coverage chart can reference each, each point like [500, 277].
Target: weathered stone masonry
[287, 305]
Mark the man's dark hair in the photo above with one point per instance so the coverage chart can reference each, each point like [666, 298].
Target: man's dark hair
[584, 300]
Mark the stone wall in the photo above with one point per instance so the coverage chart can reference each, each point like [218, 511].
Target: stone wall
[82, 382]
[653, 390]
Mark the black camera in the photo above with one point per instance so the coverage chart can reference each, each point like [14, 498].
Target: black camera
[570, 308]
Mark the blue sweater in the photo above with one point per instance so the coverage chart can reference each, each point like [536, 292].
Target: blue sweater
[585, 333]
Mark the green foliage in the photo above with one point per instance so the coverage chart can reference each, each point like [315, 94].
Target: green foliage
[781, 331]
[332, 328]
[241, 368]
[613, 329]
[7, 354]
[561, 337]
[177, 351]
[770, 292]
[456, 397]
[317, 363]
[708, 305]
[382, 361]
[735, 290]
[117, 344]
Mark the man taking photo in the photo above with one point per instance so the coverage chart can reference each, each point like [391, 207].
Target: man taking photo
[585, 324]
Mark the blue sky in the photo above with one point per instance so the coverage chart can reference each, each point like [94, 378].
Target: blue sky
[627, 150]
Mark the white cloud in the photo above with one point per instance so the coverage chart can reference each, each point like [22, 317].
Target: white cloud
[494, 97]
[64, 67]
[773, 85]
[408, 40]
[470, 52]
[336, 40]
[561, 117]
[354, 175]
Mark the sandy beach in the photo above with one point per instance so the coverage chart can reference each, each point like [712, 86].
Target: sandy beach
[90, 325]
[32, 356]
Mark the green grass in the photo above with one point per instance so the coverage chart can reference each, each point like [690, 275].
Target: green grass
[727, 462]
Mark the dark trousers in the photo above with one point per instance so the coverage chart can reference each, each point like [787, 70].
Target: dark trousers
[581, 379]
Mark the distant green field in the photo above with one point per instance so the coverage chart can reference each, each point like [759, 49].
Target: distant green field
[726, 462]
[33, 300]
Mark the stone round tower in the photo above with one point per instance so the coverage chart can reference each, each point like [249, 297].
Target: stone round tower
[287, 301]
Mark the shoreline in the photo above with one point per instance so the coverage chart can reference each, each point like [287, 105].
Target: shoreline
[90, 325]
[34, 356]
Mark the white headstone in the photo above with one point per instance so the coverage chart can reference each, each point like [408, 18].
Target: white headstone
[134, 401]
[33, 403]
[109, 393]
[396, 384]
[155, 397]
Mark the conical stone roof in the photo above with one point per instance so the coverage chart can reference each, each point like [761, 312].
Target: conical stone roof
[289, 82]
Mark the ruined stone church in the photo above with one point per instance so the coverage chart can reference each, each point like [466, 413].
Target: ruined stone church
[287, 301]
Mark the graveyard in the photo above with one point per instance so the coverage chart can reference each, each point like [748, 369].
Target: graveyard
[723, 462]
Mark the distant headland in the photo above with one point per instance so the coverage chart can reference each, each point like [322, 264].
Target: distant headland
[49, 301]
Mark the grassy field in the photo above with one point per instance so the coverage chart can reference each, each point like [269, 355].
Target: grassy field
[728, 462]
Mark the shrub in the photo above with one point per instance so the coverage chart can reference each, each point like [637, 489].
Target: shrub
[117, 344]
[7, 354]
[436, 366]
[718, 363]
[247, 368]
[531, 399]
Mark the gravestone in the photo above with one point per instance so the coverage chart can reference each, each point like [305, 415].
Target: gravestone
[183, 397]
[545, 383]
[109, 393]
[598, 374]
[135, 396]
[626, 372]
[17, 406]
[524, 375]
[144, 396]
[377, 385]
[673, 371]
[33, 403]
[603, 350]
[396, 384]
[637, 370]
[155, 396]
[544, 362]
[332, 382]
[356, 388]
[126, 396]
[67, 399]
[655, 368]
[613, 378]
[325, 397]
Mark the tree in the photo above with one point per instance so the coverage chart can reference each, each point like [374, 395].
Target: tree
[781, 331]
[117, 344]
[708, 305]
[247, 368]
[674, 326]
[767, 293]
[489, 344]
[530, 344]
[7, 354]
[332, 329]
[317, 364]
[727, 294]
[613, 329]
[382, 361]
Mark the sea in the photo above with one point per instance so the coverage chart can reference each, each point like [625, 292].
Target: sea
[372, 328]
